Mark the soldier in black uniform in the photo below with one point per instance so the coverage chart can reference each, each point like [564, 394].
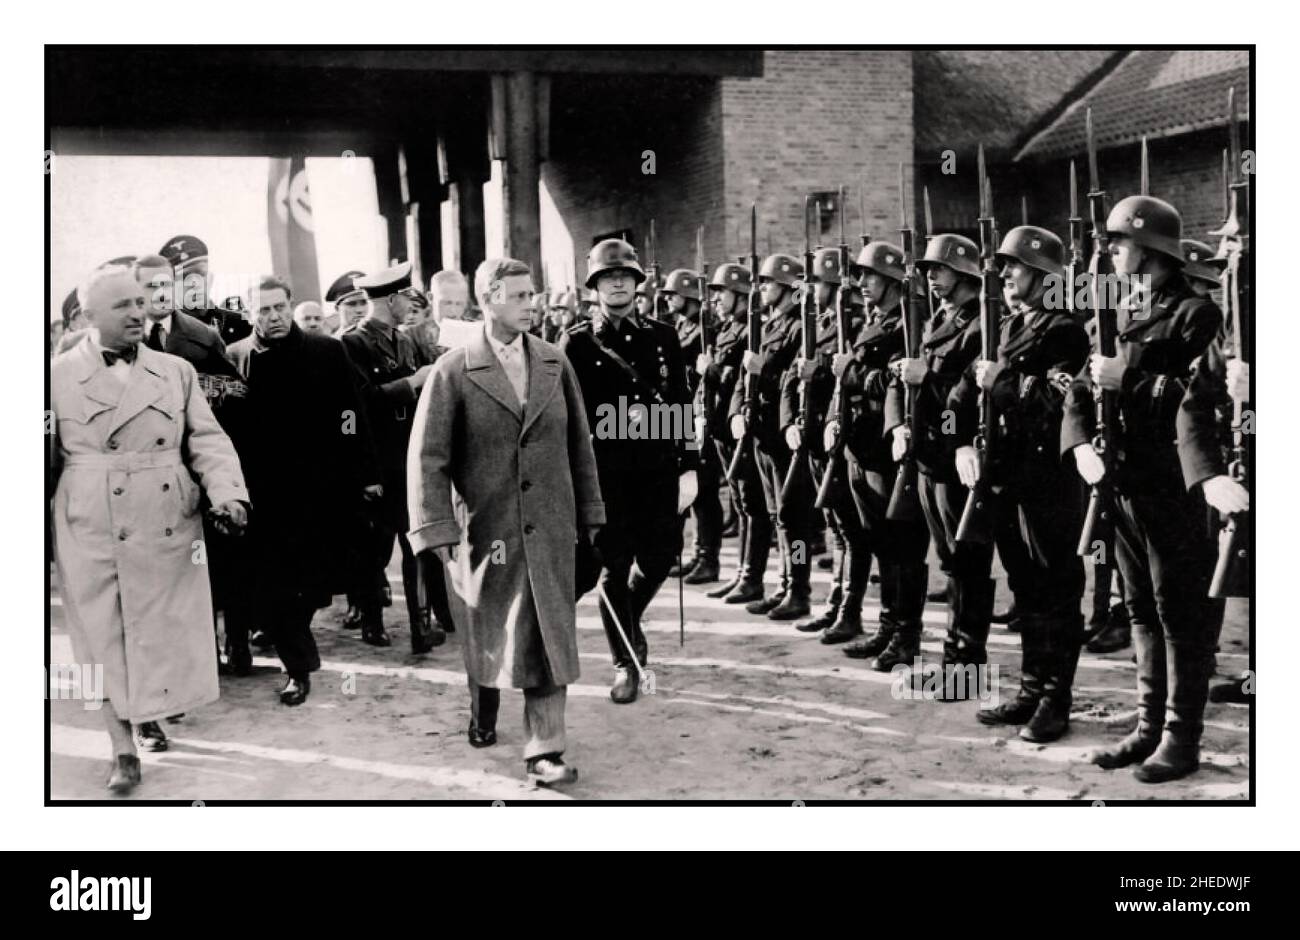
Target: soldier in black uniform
[1161, 543]
[391, 374]
[779, 282]
[189, 258]
[646, 481]
[900, 546]
[839, 622]
[1039, 506]
[951, 344]
[720, 372]
[681, 296]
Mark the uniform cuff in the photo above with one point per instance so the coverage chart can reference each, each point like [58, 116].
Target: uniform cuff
[434, 535]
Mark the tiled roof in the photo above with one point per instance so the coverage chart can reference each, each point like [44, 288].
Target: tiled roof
[1150, 93]
[967, 97]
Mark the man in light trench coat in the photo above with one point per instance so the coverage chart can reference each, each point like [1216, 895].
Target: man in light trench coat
[132, 442]
[502, 484]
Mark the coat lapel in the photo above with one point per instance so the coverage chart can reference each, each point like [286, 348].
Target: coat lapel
[543, 379]
[144, 387]
[97, 384]
[486, 371]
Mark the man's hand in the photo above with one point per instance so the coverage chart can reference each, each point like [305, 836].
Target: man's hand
[986, 373]
[702, 362]
[417, 380]
[804, 368]
[1239, 379]
[1089, 464]
[446, 553]
[968, 465]
[1107, 371]
[839, 363]
[230, 518]
[793, 437]
[1226, 494]
[373, 493]
[830, 434]
[902, 438]
[687, 489]
[753, 362]
[737, 427]
[911, 371]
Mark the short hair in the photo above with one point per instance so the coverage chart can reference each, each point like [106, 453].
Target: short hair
[494, 269]
[448, 278]
[96, 277]
[308, 306]
[150, 261]
[267, 282]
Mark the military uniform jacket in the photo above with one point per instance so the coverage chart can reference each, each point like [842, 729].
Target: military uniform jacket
[720, 379]
[384, 358]
[1159, 352]
[228, 324]
[651, 349]
[866, 383]
[951, 345]
[821, 387]
[1039, 353]
[782, 336]
[688, 337]
[1205, 418]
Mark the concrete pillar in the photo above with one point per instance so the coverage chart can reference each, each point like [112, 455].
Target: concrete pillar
[521, 205]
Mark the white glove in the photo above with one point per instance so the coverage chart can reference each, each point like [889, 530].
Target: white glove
[687, 489]
[899, 447]
[752, 362]
[830, 435]
[911, 371]
[1239, 379]
[1226, 494]
[1089, 464]
[840, 362]
[702, 363]
[968, 465]
[737, 427]
[793, 437]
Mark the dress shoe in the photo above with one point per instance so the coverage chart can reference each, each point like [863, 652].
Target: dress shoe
[793, 606]
[295, 691]
[1015, 712]
[841, 631]
[726, 588]
[426, 635]
[261, 639]
[1050, 721]
[1134, 749]
[679, 569]
[624, 689]
[1116, 636]
[704, 572]
[375, 635]
[819, 623]
[1230, 692]
[761, 607]
[150, 737]
[479, 737]
[240, 662]
[549, 771]
[352, 619]
[731, 529]
[1170, 761]
[745, 592]
[870, 646]
[125, 775]
[1005, 616]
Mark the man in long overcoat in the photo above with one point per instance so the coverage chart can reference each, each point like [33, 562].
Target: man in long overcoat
[502, 483]
[310, 463]
[132, 442]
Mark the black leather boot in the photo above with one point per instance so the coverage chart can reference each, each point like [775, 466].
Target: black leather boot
[425, 635]
[1063, 641]
[705, 570]
[372, 629]
[1136, 747]
[1191, 663]
[848, 622]
[905, 646]
[1021, 708]
[833, 601]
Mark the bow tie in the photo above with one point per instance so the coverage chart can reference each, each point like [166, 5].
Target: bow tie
[126, 355]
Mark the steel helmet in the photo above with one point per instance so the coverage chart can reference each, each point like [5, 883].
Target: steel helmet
[882, 258]
[732, 276]
[1150, 222]
[1200, 262]
[1033, 246]
[783, 269]
[955, 251]
[682, 281]
[613, 254]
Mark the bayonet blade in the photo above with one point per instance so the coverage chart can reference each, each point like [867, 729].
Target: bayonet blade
[1074, 192]
[902, 198]
[929, 217]
[1024, 209]
[843, 212]
[1234, 134]
[1144, 185]
[983, 180]
[1094, 178]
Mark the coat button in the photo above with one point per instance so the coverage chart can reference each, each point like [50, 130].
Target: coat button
[112, 445]
[167, 531]
[526, 486]
[528, 530]
[121, 536]
[117, 491]
[161, 441]
[166, 487]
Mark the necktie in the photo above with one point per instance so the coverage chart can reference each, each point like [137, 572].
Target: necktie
[155, 341]
[513, 362]
[126, 355]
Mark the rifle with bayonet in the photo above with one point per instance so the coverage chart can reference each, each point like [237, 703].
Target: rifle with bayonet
[924, 243]
[904, 502]
[1099, 523]
[754, 340]
[1232, 570]
[1075, 262]
[836, 473]
[799, 469]
[977, 518]
[654, 274]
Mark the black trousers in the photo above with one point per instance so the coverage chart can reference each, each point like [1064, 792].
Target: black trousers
[638, 544]
[969, 567]
[288, 621]
[707, 508]
[751, 508]
[1167, 559]
[794, 529]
